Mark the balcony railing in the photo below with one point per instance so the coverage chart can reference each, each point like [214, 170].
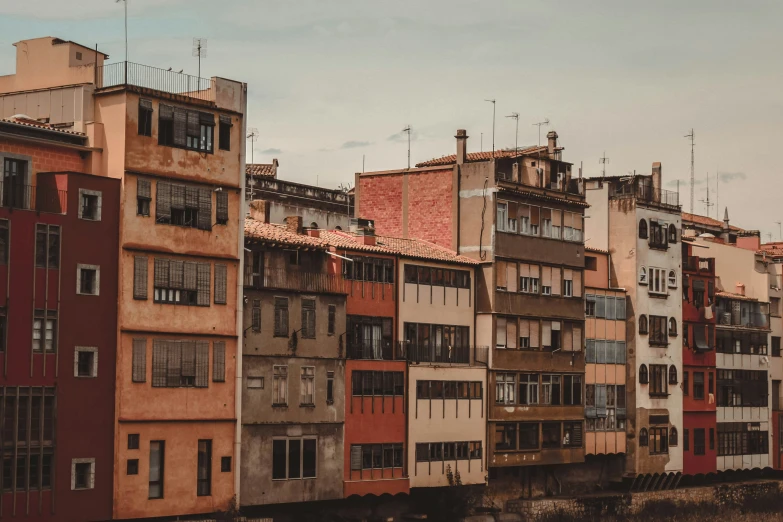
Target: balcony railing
[281, 279]
[32, 197]
[137, 75]
[415, 353]
[378, 350]
[697, 264]
[647, 194]
[746, 320]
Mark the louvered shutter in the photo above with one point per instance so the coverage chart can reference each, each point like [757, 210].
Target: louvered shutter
[219, 361]
[143, 188]
[220, 284]
[203, 272]
[356, 458]
[555, 281]
[202, 364]
[600, 400]
[193, 124]
[534, 338]
[511, 333]
[568, 339]
[139, 370]
[180, 126]
[205, 209]
[140, 277]
[502, 273]
[191, 279]
[188, 358]
[546, 334]
[176, 274]
[159, 362]
[178, 197]
[576, 434]
[163, 202]
[577, 332]
[173, 363]
[161, 273]
[221, 207]
[191, 197]
[577, 284]
[206, 118]
[166, 112]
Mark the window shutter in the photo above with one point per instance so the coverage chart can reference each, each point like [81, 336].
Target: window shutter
[356, 458]
[191, 197]
[143, 189]
[620, 303]
[576, 434]
[188, 358]
[577, 284]
[176, 275]
[590, 351]
[568, 339]
[202, 364]
[193, 124]
[556, 281]
[219, 361]
[546, 335]
[220, 284]
[205, 209]
[577, 333]
[221, 204]
[140, 277]
[173, 363]
[600, 400]
[190, 276]
[206, 118]
[163, 201]
[139, 371]
[203, 271]
[161, 273]
[511, 333]
[178, 199]
[166, 112]
[180, 125]
[534, 333]
[159, 360]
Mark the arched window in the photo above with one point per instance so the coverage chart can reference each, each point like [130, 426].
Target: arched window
[672, 234]
[314, 225]
[643, 437]
[643, 229]
[672, 327]
[672, 279]
[643, 377]
[643, 276]
[672, 374]
[642, 324]
[338, 227]
[673, 436]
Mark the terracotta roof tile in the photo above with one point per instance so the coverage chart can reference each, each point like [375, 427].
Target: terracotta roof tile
[704, 220]
[483, 156]
[40, 125]
[414, 248]
[732, 295]
[260, 169]
[596, 250]
[278, 234]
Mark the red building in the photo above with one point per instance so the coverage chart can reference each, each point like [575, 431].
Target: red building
[698, 361]
[58, 309]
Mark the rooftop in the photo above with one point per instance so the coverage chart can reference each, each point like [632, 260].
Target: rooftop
[26, 121]
[732, 295]
[706, 221]
[485, 156]
[262, 169]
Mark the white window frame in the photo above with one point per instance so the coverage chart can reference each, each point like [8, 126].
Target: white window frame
[255, 382]
[79, 268]
[86, 192]
[568, 288]
[502, 216]
[672, 279]
[304, 378]
[91, 462]
[508, 383]
[279, 378]
[643, 275]
[657, 280]
[93, 370]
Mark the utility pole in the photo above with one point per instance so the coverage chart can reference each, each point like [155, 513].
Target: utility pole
[408, 130]
[492, 101]
[603, 161]
[706, 201]
[126, 27]
[780, 230]
[691, 136]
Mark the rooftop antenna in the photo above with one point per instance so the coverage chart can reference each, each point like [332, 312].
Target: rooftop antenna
[692, 136]
[492, 101]
[253, 136]
[780, 230]
[706, 202]
[539, 124]
[199, 50]
[717, 193]
[482, 142]
[603, 161]
[408, 130]
[515, 116]
[539, 170]
[126, 27]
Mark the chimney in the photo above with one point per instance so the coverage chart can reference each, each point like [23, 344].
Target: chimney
[259, 210]
[656, 176]
[275, 164]
[462, 145]
[367, 239]
[313, 232]
[294, 224]
[551, 137]
[740, 289]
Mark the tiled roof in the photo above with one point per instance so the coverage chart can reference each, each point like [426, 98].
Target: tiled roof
[732, 295]
[414, 248]
[260, 169]
[261, 232]
[774, 249]
[545, 197]
[39, 125]
[704, 220]
[483, 156]
[596, 250]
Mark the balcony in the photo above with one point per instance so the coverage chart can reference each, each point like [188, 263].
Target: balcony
[699, 265]
[32, 197]
[646, 194]
[376, 350]
[294, 280]
[125, 74]
[415, 353]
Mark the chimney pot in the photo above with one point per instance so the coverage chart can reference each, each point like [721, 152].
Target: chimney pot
[294, 224]
[462, 146]
[259, 210]
[740, 288]
[551, 137]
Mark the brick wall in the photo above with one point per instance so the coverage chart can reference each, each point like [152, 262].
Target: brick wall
[429, 207]
[46, 157]
[380, 199]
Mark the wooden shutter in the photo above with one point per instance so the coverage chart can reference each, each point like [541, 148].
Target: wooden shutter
[281, 316]
[524, 271]
[502, 273]
[143, 188]
[173, 363]
[140, 277]
[193, 124]
[221, 207]
[576, 434]
[191, 278]
[191, 197]
[220, 284]
[546, 333]
[219, 361]
[546, 276]
[159, 361]
[511, 276]
[534, 337]
[180, 126]
[556, 281]
[202, 364]
[203, 272]
[188, 358]
[205, 209]
[178, 199]
[577, 285]
[577, 334]
[511, 333]
[166, 112]
[176, 274]
[524, 328]
[139, 370]
[161, 273]
[163, 202]
[568, 338]
[356, 458]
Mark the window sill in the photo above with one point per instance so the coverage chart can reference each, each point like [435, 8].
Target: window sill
[308, 405]
[658, 345]
[657, 295]
[280, 405]
[659, 395]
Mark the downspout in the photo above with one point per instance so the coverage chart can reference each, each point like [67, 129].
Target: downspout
[240, 303]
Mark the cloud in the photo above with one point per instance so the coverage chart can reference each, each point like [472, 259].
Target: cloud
[731, 176]
[272, 151]
[352, 144]
[402, 136]
[725, 177]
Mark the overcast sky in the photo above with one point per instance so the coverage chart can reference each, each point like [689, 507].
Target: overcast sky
[332, 80]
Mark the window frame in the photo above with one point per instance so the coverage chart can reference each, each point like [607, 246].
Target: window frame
[77, 367]
[96, 281]
[86, 193]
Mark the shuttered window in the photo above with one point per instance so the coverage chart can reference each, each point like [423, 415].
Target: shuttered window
[203, 284]
[143, 197]
[202, 364]
[139, 370]
[183, 282]
[163, 202]
[256, 319]
[180, 126]
[183, 205]
[221, 207]
[356, 458]
[180, 364]
[281, 317]
[308, 318]
[140, 277]
[220, 284]
[219, 361]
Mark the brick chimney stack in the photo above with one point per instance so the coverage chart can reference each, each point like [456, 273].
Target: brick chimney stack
[551, 145]
[656, 176]
[275, 164]
[294, 224]
[259, 210]
[462, 145]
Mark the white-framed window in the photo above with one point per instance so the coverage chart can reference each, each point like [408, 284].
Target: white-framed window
[502, 217]
[255, 382]
[90, 204]
[528, 278]
[500, 335]
[82, 474]
[568, 288]
[505, 386]
[656, 280]
[307, 389]
[88, 279]
[85, 361]
[643, 276]
[280, 391]
[672, 279]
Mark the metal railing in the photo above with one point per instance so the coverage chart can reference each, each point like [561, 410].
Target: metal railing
[646, 193]
[450, 355]
[282, 279]
[699, 264]
[32, 197]
[129, 73]
[378, 350]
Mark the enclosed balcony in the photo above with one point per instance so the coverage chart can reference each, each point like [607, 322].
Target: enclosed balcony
[428, 353]
[294, 280]
[643, 192]
[740, 311]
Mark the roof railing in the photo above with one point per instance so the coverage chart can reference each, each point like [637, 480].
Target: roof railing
[123, 74]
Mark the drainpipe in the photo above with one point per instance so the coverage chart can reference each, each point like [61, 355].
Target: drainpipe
[240, 302]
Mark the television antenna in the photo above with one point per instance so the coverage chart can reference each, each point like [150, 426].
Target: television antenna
[603, 161]
[706, 201]
[252, 136]
[515, 116]
[408, 130]
[780, 230]
[492, 101]
[540, 124]
[126, 27]
[691, 136]
[199, 50]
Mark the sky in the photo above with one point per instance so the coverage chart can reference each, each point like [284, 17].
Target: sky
[332, 83]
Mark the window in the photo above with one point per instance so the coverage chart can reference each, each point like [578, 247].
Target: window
[329, 387]
[528, 278]
[506, 436]
[219, 361]
[224, 132]
[550, 389]
[591, 263]
[225, 464]
[742, 438]
[698, 386]
[659, 441]
[47, 246]
[673, 436]
[90, 205]
[331, 319]
[657, 281]
[166, 125]
[183, 205]
[502, 217]
[182, 282]
[143, 197]
[685, 440]
[221, 207]
[643, 229]
[280, 392]
[550, 435]
[572, 434]
[85, 362]
[293, 458]
[44, 330]
[658, 381]
[658, 234]
[379, 270]
[747, 388]
[204, 473]
[157, 460]
[775, 346]
[255, 382]
[281, 317]
[256, 315]
[140, 277]
[643, 437]
[698, 441]
[88, 279]
[132, 467]
[590, 301]
[643, 377]
[307, 386]
[528, 388]
[308, 318]
[380, 456]
[710, 380]
[372, 383]
[528, 435]
[145, 117]
[221, 284]
[133, 441]
[177, 364]
[82, 474]
[642, 276]
[672, 233]
[504, 388]
[685, 383]
[658, 334]
[643, 324]
[672, 374]
[572, 390]
[672, 279]
[712, 438]
[672, 327]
